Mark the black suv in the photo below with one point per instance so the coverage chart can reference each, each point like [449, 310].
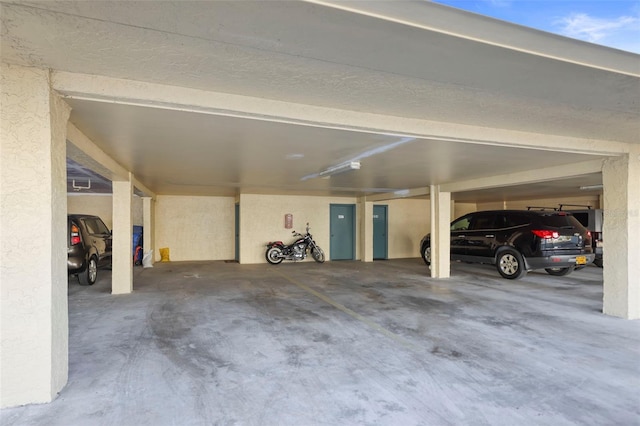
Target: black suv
[89, 247]
[591, 219]
[517, 241]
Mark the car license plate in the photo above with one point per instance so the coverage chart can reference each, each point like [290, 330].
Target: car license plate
[581, 260]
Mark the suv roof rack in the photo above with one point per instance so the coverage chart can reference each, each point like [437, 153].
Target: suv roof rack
[575, 205]
[542, 208]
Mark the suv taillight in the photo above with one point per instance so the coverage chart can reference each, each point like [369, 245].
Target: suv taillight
[75, 235]
[545, 233]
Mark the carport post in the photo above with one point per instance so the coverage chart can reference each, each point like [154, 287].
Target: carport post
[440, 203]
[621, 228]
[122, 270]
[34, 315]
[148, 225]
[366, 207]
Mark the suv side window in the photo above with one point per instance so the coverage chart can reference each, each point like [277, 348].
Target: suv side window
[484, 221]
[461, 224]
[516, 220]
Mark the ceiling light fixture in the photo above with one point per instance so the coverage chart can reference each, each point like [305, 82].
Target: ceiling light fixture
[591, 187]
[294, 156]
[340, 168]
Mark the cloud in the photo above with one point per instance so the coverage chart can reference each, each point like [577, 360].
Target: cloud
[617, 32]
[583, 26]
[499, 3]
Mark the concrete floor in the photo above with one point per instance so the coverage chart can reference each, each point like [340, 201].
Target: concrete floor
[344, 343]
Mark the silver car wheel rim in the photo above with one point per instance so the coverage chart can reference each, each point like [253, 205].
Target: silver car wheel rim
[427, 254]
[509, 264]
[93, 271]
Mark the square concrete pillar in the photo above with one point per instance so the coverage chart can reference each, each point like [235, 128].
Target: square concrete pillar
[33, 238]
[440, 203]
[366, 235]
[122, 270]
[621, 228]
[148, 225]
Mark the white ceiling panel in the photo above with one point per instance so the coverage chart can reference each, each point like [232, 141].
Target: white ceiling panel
[176, 151]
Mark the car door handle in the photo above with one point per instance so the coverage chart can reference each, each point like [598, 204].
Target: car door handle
[462, 236]
[489, 236]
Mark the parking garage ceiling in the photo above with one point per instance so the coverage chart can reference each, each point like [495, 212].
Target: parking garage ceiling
[402, 62]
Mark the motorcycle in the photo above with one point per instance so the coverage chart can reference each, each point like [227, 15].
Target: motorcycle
[277, 251]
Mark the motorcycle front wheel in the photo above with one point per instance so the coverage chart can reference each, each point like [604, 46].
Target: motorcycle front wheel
[317, 254]
[274, 255]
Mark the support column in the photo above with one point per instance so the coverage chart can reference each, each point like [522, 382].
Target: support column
[122, 270]
[366, 234]
[34, 315]
[148, 225]
[440, 203]
[621, 272]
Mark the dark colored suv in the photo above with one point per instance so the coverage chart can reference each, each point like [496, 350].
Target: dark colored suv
[591, 219]
[517, 241]
[89, 247]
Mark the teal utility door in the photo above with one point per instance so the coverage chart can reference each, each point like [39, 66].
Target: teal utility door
[237, 232]
[343, 231]
[380, 227]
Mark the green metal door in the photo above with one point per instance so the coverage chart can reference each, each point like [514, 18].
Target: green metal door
[380, 232]
[237, 232]
[343, 230]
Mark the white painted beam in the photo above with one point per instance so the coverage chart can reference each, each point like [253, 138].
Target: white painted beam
[128, 92]
[529, 176]
[89, 154]
[86, 145]
[142, 187]
[483, 29]
[408, 193]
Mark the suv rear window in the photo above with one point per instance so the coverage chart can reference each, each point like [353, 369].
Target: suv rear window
[559, 221]
[583, 218]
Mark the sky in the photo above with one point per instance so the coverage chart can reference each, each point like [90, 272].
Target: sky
[612, 23]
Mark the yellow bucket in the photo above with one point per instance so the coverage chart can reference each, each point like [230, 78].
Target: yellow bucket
[164, 254]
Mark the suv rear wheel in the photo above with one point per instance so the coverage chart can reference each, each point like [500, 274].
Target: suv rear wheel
[510, 264]
[559, 272]
[89, 276]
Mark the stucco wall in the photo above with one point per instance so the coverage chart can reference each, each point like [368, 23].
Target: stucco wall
[460, 209]
[195, 228]
[102, 205]
[408, 222]
[262, 220]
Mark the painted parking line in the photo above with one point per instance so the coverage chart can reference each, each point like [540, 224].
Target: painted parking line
[397, 338]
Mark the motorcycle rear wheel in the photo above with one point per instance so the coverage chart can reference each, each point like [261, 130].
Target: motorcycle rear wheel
[317, 254]
[274, 255]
